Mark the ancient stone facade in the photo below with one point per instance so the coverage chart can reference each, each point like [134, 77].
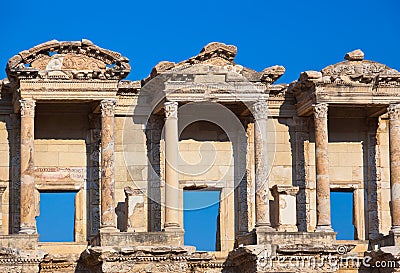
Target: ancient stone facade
[129, 149]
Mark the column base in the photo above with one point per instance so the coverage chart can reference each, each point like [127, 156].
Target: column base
[324, 229]
[264, 228]
[108, 229]
[172, 227]
[395, 230]
[27, 230]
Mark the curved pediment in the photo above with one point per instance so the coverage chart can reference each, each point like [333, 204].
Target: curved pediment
[68, 60]
[356, 70]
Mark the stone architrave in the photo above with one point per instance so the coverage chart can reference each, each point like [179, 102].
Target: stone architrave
[322, 167]
[108, 216]
[285, 207]
[134, 210]
[27, 200]
[394, 148]
[171, 165]
[260, 113]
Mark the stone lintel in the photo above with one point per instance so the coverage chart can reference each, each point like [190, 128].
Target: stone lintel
[284, 189]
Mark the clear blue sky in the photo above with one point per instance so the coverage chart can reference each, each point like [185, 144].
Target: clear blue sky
[300, 35]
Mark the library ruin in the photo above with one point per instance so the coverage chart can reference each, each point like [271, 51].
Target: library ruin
[128, 151]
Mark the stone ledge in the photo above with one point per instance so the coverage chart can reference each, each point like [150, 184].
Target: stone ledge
[277, 237]
[20, 241]
[124, 239]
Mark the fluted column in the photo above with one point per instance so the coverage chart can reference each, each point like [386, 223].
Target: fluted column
[108, 216]
[322, 167]
[260, 113]
[27, 201]
[394, 148]
[171, 164]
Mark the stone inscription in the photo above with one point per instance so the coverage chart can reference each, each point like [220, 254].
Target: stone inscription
[56, 174]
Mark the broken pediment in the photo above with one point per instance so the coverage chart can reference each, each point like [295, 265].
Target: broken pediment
[68, 60]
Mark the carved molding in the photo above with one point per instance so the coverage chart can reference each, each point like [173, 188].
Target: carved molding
[260, 110]
[320, 110]
[27, 107]
[171, 109]
[108, 107]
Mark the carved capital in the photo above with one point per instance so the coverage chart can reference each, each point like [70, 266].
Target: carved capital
[2, 190]
[108, 107]
[260, 110]
[394, 111]
[320, 110]
[27, 107]
[171, 109]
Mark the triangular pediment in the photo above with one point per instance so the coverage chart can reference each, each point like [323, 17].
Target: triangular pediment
[217, 58]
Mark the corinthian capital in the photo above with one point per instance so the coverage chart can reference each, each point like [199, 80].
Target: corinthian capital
[107, 107]
[394, 111]
[171, 109]
[320, 110]
[27, 107]
[260, 110]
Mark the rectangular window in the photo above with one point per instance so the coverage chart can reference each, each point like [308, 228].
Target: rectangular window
[342, 215]
[201, 219]
[57, 216]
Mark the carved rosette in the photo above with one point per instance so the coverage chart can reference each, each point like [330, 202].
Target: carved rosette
[394, 111]
[171, 109]
[320, 110]
[260, 110]
[108, 107]
[27, 107]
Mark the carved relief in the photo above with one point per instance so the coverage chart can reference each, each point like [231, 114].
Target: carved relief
[80, 57]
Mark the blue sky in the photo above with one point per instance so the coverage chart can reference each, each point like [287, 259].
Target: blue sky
[300, 35]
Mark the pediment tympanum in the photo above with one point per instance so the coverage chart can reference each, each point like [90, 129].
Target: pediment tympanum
[68, 60]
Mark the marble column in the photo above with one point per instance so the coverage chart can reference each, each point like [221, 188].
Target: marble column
[171, 165]
[394, 149]
[27, 190]
[260, 113]
[107, 214]
[322, 167]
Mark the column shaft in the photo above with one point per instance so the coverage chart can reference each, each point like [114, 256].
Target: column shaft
[27, 191]
[394, 149]
[322, 167]
[108, 216]
[260, 113]
[171, 166]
